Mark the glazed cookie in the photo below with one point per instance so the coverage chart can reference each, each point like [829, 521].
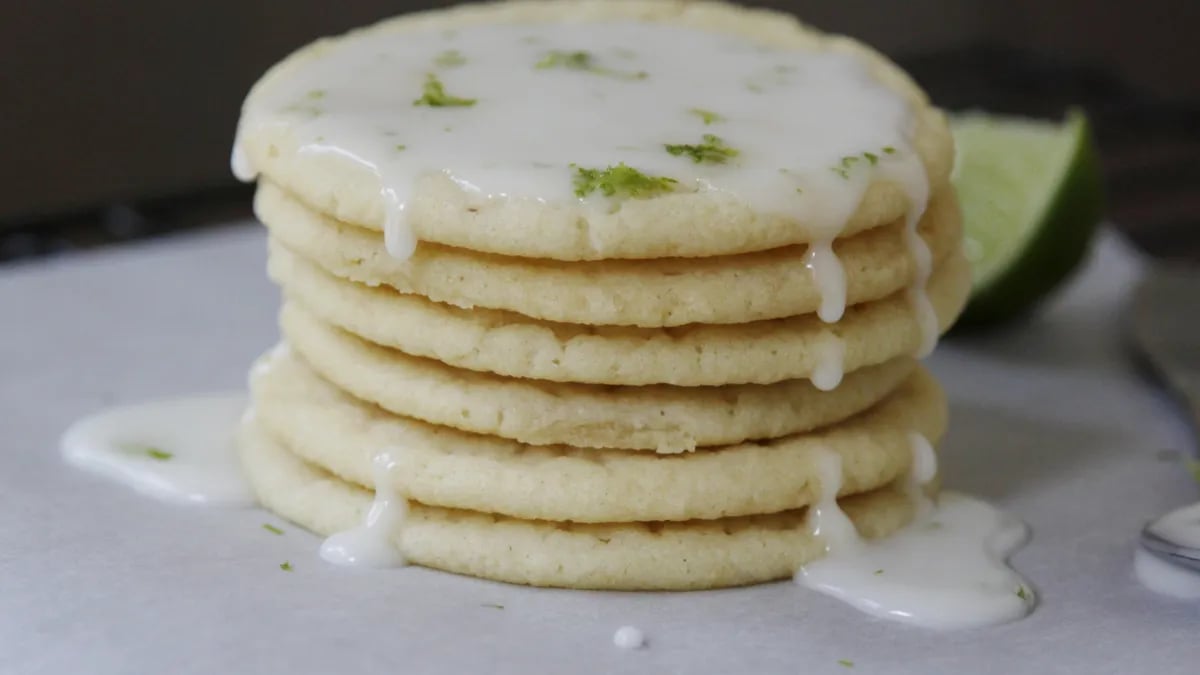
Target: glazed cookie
[650, 293]
[689, 555]
[708, 161]
[506, 343]
[445, 467]
[662, 418]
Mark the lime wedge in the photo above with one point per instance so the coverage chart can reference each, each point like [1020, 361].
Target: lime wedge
[1031, 196]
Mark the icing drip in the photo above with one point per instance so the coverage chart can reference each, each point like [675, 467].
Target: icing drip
[370, 544]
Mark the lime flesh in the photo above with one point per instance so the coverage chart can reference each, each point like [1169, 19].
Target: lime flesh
[1032, 197]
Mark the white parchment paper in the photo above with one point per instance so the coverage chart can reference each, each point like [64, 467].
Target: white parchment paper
[1049, 420]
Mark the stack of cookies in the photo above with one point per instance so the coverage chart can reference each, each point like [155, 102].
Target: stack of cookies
[527, 339]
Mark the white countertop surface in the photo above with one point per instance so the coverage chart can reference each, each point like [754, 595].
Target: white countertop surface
[1049, 420]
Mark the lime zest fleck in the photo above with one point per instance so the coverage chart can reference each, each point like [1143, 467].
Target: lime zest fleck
[845, 164]
[878, 572]
[434, 95]
[150, 451]
[285, 566]
[708, 116]
[400, 147]
[451, 58]
[304, 109]
[1194, 466]
[316, 94]
[846, 663]
[586, 62]
[712, 151]
[620, 181]
[1022, 593]
[492, 605]
[271, 528]
[568, 60]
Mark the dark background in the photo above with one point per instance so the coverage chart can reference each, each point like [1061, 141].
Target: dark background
[116, 119]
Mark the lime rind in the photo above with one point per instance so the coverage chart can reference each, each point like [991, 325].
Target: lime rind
[1032, 198]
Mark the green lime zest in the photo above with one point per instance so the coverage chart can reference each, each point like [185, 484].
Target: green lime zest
[846, 164]
[707, 116]
[150, 451]
[434, 95]
[586, 62]
[846, 663]
[305, 109]
[620, 181]
[492, 605]
[451, 58]
[272, 529]
[712, 150]
[285, 566]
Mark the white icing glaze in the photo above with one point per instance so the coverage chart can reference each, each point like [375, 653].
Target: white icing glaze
[825, 517]
[830, 278]
[831, 362]
[923, 470]
[946, 570]
[179, 450]
[240, 164]
[629, 637]
[370, 544]
[916, 185]
[263, 364]
[398, 237]
[1165, 578]
[793, 116]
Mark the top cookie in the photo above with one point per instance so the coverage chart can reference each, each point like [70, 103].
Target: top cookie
[596, 129]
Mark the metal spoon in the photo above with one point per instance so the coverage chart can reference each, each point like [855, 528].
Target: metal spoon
[1170, 551]
[1165, 328]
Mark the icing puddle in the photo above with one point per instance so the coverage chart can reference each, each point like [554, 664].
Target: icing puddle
[178, 450]
[946, 570]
